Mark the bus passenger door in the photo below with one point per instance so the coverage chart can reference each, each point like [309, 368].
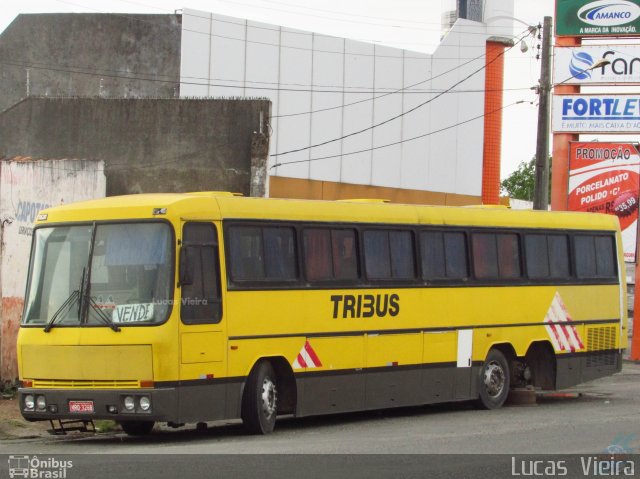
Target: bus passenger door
[202, 334]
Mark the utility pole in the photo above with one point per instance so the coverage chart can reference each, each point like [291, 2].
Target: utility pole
[541, 190]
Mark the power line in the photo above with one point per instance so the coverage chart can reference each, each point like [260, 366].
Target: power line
[128, 166]
[359, 14]
[104, 73]
[343, 14]
[74, 68]
[299, 90]
[247, 25]
[420, 105]
[400, 141]
[404, 89]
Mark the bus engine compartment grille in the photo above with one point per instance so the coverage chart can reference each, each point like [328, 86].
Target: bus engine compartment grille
[601, 345]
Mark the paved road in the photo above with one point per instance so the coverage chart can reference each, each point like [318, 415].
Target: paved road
[587, 421]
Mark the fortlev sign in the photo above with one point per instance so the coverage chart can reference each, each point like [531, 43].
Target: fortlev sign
[572, 65]
[600, 17]
[598, 113]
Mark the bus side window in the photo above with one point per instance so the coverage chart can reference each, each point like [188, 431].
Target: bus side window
[389, 254]
[547, 256]
[508, 255]
[444, 255]
[485, 256]
[595, 256]
[496, 255]
[558, 246]
[339, 245]
[200, 274]
[262, 253]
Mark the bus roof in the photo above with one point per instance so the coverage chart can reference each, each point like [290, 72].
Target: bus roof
[223, 205]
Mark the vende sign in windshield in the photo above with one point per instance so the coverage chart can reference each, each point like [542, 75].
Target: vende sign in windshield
[600, 17]
[596, 113]
[605, 178]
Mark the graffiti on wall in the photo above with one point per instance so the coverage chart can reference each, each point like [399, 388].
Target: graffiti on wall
[26, 213]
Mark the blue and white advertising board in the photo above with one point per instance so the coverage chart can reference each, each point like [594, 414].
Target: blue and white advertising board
[574, 65]
[597, 113]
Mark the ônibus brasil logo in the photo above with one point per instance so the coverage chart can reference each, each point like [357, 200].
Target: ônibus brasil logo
[606, 13]
[580, 64]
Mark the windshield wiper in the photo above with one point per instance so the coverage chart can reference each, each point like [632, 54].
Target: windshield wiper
[63, 310]
[102, 315]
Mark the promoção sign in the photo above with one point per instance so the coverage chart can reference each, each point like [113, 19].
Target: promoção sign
[605, 178]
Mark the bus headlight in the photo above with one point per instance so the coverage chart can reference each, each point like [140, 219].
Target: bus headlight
[129, 403]
[41, 403]
[145, 403]
[29, 402]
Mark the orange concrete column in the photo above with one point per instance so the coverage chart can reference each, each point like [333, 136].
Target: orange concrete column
[494, 81]
[560, 149]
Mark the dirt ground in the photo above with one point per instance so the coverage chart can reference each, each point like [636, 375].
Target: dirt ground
[13, 425]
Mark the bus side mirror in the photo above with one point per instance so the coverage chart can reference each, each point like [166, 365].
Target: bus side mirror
[186, 267]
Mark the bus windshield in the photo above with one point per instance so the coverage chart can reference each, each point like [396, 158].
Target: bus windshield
[104, 274]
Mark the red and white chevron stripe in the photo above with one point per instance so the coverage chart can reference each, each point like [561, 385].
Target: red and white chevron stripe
[563, 335]
[307, 358]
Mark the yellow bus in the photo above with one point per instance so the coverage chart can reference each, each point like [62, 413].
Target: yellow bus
[187, 308]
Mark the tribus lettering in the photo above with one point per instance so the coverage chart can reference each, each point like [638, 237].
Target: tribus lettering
[365, 305]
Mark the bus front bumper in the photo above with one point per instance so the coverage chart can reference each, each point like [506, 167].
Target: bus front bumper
[86, 404]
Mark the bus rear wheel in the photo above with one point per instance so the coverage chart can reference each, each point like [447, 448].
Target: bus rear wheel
[494, 380]
[260, 400]
[137, 428]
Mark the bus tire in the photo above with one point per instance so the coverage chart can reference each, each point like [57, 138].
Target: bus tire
[260, 400]
[137, 428]
[494, 380]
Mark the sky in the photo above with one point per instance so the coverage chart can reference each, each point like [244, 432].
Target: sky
[409, 24]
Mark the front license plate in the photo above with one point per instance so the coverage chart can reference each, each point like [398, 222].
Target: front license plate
[80, 406]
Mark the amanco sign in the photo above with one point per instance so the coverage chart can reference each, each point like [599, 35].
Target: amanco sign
[600, 17]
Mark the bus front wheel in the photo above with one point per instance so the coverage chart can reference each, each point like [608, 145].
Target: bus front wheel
[494, 380]
[260, 400]
[137, 428]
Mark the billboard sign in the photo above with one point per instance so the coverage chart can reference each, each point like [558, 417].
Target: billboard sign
[597, 113]
[600, 17]
[573, 65]
[605, 178]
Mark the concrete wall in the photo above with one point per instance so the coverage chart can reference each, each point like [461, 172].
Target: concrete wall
[106, 55]
[26, 187]
[147, 145]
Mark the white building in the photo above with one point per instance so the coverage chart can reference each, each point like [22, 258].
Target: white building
[329, 92]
